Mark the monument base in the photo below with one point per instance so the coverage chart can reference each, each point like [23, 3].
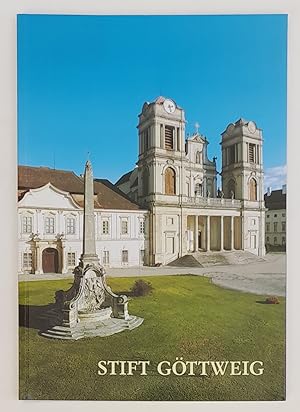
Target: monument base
[93, 324]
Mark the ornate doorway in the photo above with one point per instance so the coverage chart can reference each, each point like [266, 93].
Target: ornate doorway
[50, 260]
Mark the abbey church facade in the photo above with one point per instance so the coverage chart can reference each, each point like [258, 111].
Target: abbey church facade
[177, 183]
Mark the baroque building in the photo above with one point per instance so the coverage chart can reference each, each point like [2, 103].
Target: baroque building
[275, 201]
[50, 222]
[177, 182]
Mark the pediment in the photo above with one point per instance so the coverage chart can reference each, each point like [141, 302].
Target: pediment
[48, 196]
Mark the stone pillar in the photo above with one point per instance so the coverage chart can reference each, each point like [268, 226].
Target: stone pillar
[208, 233]
[232, 232]
[89, 244]
[64, 259]
[38, 269]
[196, 229]
[221, 233]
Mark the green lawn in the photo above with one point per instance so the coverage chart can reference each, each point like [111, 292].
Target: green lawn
[185, 316]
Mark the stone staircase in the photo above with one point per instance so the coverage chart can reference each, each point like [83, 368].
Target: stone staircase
[89, 325]
[208, 259]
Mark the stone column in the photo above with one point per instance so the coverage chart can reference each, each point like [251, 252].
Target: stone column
[89, 245]
[196, 229]
[222, 233]
[39, 268]
[208, 233]
[64, 268]
[232, 232]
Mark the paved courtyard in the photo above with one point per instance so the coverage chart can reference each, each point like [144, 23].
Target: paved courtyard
[266, 278]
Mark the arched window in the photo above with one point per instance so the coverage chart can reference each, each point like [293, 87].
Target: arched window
[198, 190]
[198, 157]
[145, 181]
[231, 189]
[170, 181]
[252, 189]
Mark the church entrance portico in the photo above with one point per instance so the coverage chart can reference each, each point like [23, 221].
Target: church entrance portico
[213, 233]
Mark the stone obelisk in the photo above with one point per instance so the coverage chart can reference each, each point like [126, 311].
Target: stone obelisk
[89, 308]
[89, 254]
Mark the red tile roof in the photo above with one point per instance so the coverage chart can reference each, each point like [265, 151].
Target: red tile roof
[107, 195]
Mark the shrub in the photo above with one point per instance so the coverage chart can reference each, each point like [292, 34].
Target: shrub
[141, 288]
[272, 300]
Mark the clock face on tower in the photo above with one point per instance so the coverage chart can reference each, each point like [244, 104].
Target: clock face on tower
[169, 106]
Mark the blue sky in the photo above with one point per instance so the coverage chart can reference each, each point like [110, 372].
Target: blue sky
[82, 81]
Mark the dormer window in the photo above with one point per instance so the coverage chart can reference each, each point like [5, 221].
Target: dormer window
[169, 138]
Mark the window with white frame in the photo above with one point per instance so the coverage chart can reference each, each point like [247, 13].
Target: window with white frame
[105, 227]
[70, 226]
[124, 256]
[142, 226]
[105, 257]
[124, 226]
[49, 224]
[71, 259]
[27, 260]
[27, 224]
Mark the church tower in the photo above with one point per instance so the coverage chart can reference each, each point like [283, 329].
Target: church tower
[242, 163]
[161, 150]
[242, 179]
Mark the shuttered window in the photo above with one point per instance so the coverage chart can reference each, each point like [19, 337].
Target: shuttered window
[251, 153]
[170, 181]
[169, 137]
[252, 190]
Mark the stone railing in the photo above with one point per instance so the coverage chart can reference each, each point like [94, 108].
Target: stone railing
[210, 201]
[199, 201]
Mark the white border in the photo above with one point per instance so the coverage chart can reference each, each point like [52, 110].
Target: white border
[8, 279]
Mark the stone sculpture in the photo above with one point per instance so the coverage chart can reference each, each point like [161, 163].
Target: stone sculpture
[89, 307]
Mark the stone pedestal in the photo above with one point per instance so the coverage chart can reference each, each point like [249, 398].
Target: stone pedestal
[89, 308]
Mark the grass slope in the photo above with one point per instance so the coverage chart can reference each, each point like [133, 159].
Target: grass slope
[185, 316]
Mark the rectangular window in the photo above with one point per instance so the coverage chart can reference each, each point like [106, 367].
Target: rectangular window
[142, 256]
[251, 153]
[283, 226]
[169, 137]
[275, 226]
[124, 256]
[105, 227]
[71, 259]
[231, 154]
[268, 227]
[283, 240]
[275, 215]
[27, 260]
[49, 225]
[70, 226]
[124, 226]
[142, 226]
[105, 257]
[27, 224]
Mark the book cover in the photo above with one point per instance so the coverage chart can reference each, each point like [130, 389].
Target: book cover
[152, 207]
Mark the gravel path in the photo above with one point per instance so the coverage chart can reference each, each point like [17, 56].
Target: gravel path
[264, 278]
